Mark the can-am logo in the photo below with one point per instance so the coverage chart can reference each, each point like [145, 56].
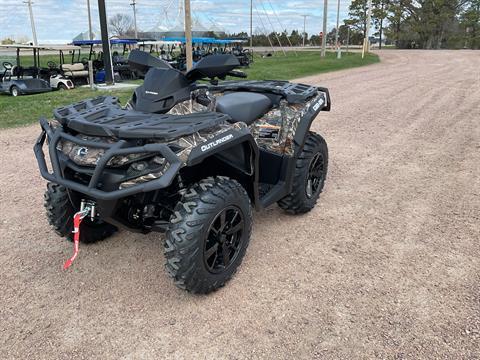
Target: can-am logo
[216, 142]
[317, 105]
[151, 92]
[82, 152]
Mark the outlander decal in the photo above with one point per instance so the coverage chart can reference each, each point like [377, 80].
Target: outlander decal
[215, 143]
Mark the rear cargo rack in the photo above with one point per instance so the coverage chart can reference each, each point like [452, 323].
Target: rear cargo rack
[294, 93]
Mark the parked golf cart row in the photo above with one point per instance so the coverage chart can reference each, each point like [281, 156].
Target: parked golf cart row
[119, 62]
[71, 69]
[210, 46]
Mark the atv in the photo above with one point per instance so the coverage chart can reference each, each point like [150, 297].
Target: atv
[186, 157]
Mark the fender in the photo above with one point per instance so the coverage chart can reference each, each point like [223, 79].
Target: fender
[235, 140]
[307, 119]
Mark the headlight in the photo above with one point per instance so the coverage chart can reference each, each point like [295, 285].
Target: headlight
[144, 171]
[89, 156]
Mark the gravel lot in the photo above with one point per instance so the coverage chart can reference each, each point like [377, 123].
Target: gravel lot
[387, 265]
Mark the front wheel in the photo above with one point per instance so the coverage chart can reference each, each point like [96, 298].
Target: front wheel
[309, 178]
[209, 234]
[15, 91]
[60, 214]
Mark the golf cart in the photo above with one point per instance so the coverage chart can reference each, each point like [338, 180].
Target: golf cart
[32, 79]
[17, 80]
[119, 62]
[186, 158]
[66, 75]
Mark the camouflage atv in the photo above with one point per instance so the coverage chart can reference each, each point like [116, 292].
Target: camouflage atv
[187, 158]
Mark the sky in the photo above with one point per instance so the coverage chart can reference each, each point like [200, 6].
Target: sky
[59, 21]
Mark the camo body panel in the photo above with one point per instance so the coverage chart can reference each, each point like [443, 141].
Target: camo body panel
[188, 143]
[276, 130]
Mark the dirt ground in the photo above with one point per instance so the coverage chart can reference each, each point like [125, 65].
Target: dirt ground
[387, 265]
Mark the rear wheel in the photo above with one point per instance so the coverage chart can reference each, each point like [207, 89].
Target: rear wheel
[15, 91]
[60, 214]
[309, 178]
[62, 87]
[209, 234]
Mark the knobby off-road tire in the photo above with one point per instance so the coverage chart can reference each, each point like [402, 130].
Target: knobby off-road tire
[60, 214]
[209, 234]
[309, 178]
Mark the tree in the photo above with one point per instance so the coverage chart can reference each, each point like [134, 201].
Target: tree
[470, 24]
[358, 16]
[353, 36]
[7, 41]
[121, 25]
[396, 17]
[380, 13]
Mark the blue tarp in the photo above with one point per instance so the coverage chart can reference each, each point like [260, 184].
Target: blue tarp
[205, 40]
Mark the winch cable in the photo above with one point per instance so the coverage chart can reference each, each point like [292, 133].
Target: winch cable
[77, 221]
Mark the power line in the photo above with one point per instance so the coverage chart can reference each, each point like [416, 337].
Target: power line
[324, 37]
[337, 32]
[280, 23]
[273, 29]
[304, 28]
[134, 5]
[90, 32]
[264, 28]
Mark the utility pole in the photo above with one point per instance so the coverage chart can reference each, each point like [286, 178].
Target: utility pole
[251, 25]
[366, 41]
[188, 35]
[304, 28]
[134, 5]
[324, 38]
[32, 22]
[337, 33]
[348, 37]
[107, 56]
[90, 32]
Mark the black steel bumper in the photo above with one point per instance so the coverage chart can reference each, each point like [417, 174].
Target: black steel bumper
[119, 148]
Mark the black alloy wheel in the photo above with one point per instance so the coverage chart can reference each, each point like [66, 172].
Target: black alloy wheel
[224, 240]
[316, 175]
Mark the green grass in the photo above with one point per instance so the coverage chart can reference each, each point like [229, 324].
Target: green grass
[307, 63]
[25, 110]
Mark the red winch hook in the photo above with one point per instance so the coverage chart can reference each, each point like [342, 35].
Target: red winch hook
[77, 220]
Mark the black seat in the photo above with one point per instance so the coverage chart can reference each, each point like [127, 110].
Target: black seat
[244, 106]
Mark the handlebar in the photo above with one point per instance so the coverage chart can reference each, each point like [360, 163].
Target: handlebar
[236, 73]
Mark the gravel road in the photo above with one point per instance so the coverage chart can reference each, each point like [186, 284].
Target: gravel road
[387, 265]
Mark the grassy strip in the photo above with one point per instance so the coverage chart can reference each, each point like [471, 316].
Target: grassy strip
[25, 110]
[306, 63]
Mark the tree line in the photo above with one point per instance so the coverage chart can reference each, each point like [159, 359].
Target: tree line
[425, 24]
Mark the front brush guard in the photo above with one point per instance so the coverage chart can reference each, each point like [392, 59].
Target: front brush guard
[117, 149]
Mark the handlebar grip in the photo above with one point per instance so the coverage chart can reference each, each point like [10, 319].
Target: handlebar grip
[239, 74]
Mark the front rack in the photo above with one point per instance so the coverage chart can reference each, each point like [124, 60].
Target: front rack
[119, 148]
